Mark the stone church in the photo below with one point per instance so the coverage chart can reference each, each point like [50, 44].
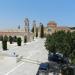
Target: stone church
[50, 28]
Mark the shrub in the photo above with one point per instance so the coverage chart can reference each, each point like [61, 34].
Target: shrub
[14, 39]
[10, 39]
[1, 38]
[4, 43]
[19, 41]
[5, 38]
[25, 39]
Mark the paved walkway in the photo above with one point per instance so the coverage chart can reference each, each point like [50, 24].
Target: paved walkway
[33, 53]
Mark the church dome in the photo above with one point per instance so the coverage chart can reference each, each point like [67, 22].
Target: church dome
[52, 24]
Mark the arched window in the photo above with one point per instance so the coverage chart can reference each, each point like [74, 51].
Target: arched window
[49, 29]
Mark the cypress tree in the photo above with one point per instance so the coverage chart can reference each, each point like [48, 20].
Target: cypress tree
[1, 38]
[4, 43]
[36, 32]
[10, 39]
[42, 31]
[19, 41]
[25, 39]
[6, 37]
[14, 39]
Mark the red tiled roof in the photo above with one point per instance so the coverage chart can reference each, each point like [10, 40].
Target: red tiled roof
[52, 24]
[61, 27]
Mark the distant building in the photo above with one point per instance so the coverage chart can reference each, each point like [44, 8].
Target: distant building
[50, 28]
[19, 32]
[53, 27]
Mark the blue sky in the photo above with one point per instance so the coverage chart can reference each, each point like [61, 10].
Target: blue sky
[13, 12]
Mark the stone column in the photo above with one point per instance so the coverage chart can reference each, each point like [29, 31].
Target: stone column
[39, 29]
[26, 21]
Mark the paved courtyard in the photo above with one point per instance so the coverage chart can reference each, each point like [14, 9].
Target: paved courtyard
[33, 53]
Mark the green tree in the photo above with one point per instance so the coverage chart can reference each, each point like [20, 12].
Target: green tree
[1, 38]
[5, 38]
[72, 52]
[41, 31]
[10, 39]
[50, 44]
[19, 41]
[62, 42]
[25, 39]
[4, 43]
[15, 39]
[36, 32]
